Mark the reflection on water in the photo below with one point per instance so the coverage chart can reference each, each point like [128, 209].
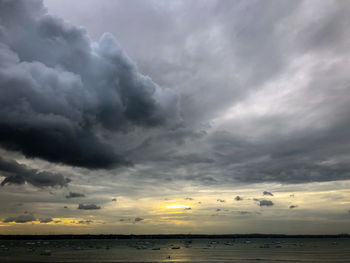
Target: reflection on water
[174, 250]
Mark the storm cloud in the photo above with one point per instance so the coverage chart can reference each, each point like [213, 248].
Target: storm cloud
[16, 173]
[63, 90]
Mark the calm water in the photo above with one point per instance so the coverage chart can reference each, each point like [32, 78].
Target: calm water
[199, 250]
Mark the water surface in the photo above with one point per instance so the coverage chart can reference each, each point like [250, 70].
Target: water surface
[176, 250]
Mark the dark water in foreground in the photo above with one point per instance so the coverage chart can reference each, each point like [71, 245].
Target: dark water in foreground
[199, 250]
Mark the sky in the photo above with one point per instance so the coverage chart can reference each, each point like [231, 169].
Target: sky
[161, 117]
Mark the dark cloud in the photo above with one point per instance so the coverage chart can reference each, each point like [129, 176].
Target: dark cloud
[88, 207]
[292, 206]
[74, 195]
[238, 198]
[46, 220]
[267, 193]
[59, 90]
[20, 219]
[138, 219]
[265, 203]
[84, 222]
[16, 173]
[243, 212]
[247, 212]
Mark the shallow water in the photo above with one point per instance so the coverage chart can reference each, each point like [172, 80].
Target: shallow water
[200, 250]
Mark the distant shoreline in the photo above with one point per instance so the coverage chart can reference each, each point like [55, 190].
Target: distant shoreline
[165, 236]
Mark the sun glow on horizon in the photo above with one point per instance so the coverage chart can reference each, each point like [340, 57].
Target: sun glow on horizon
[177, 206]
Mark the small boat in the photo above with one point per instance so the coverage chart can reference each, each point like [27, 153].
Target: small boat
[265, 246]
[46, 253]
[141, 247]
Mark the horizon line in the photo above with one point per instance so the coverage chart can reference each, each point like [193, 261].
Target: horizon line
[130, 236]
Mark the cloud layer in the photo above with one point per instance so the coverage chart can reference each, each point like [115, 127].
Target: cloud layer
[20, 219]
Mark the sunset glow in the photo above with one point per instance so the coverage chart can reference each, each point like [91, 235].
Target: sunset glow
[177, 206]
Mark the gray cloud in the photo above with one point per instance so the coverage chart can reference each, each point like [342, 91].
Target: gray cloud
[244, 212]
[74, 195]
[64, 100]
[83, 222]
[267, 193]
[88, 207]
[46, 220]
[265, 203]
[20, 219]
[16, 173]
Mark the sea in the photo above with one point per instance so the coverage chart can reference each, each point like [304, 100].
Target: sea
[177, 250]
